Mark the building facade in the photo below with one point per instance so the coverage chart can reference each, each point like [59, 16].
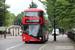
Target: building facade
[14, 30]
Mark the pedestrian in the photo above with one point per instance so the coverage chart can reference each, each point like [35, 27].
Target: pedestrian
[62, 31]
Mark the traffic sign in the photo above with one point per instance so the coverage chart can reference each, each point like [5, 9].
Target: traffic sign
[2, 28]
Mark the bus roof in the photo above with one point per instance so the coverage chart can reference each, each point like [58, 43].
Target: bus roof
[33, 10]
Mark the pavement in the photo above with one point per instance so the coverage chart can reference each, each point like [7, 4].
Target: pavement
[8, 36]
[62, 43]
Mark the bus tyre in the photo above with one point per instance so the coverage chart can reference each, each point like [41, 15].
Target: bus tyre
[26, 41]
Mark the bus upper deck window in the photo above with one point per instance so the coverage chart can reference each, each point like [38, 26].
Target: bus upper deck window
[33, 14]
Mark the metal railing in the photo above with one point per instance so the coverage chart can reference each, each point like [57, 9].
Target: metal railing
[71, 35]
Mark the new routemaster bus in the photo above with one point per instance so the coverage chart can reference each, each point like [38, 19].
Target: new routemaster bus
[34, 26]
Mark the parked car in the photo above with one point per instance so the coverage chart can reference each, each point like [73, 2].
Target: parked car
[57, 32]
[68, 31]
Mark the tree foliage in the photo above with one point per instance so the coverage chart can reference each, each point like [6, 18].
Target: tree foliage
[8, 18]
[19, 18]
[3, 17]
[33, 5]
[63, 10]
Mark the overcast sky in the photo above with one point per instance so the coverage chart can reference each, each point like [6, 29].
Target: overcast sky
[16, 6]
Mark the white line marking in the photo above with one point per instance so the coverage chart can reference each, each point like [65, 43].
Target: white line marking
[14, 46]
[42, 47]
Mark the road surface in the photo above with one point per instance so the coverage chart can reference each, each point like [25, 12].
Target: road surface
[16, 43]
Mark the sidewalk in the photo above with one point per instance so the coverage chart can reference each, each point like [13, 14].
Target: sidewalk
[61, 43]
[8, 36]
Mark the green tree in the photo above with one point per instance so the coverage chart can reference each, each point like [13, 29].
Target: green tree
[49, 7]
[1, 13]
[64, 12]
[10, 19]
[2, 17]
[19, 18]
[33, 5]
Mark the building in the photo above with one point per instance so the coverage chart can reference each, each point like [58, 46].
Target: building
[14, 30]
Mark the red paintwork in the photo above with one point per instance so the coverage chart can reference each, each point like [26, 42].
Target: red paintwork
[69, 31]
[27, 38]
[33, 10]
[41, 20]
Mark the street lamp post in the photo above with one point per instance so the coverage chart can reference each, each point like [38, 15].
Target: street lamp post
[54, 23]
[54, 30]
[4, 19]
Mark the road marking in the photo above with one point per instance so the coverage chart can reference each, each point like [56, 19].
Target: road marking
[14, 46]
[42, 47]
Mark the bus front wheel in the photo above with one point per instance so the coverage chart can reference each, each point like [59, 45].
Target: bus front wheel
[26, 41]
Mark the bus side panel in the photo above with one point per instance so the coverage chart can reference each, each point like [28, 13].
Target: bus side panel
[46, 36]
[29, 38]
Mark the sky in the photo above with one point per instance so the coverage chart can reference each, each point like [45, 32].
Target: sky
[17, 6]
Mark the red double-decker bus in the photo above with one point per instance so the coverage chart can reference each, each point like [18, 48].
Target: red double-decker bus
[34, 26]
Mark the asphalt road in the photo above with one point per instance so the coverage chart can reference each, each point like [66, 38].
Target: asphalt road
[16, 43]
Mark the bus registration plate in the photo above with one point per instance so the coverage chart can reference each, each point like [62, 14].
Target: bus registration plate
[32, 40]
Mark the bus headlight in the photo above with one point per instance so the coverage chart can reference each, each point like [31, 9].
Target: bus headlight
[24, 38]
[40, 38]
